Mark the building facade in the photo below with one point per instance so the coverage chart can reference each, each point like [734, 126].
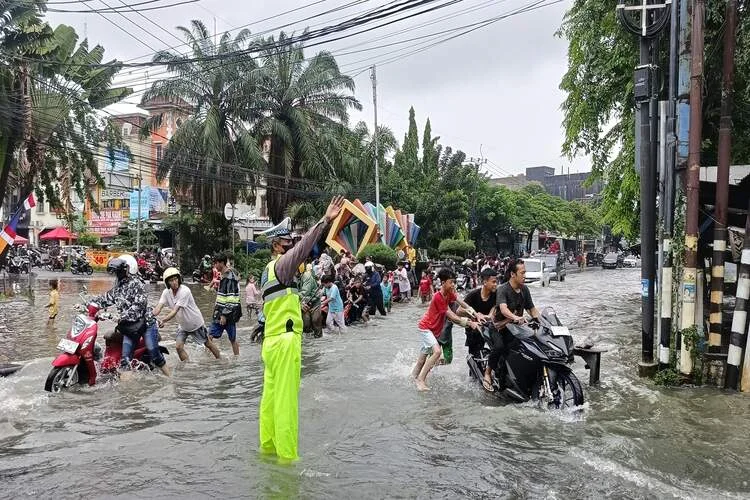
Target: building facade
[568, 186]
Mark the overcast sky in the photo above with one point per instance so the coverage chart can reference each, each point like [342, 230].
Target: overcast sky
[492, 92]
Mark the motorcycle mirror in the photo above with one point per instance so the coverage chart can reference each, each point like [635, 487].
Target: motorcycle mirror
[84, 288]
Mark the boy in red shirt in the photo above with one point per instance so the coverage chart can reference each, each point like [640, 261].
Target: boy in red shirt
[431, 326]
[425, 287]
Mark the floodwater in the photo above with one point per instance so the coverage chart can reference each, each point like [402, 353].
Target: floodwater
[365, 432]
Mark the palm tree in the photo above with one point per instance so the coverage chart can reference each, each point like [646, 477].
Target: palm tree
[61, 130]
[302, 104]
[212, 157]
[21, 33]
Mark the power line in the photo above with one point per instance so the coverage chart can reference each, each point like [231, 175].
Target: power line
[117, 9]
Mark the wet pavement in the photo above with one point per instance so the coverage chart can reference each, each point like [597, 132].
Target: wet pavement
[365, 432]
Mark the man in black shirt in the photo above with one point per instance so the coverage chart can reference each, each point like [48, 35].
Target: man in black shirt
[513, 298]
[483, 300]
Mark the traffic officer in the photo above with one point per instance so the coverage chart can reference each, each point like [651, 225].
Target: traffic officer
[282, 346]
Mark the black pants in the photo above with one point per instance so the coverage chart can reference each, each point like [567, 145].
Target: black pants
[498, 348]
[376, 302]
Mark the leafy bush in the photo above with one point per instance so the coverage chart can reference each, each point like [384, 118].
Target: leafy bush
[253, 263]
[456, 247]
[381, 254]
[87, 239]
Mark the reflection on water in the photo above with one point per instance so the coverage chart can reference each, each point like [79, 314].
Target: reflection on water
[365, 431]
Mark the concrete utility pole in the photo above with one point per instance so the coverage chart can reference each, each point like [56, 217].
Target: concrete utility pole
[722, 179]
[666, 200]
[374, 79]
[737, 339]
[652, 17]
[138, 221]
[692, 185]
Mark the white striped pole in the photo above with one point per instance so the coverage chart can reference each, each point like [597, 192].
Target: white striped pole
[665, 321]
[737, 338]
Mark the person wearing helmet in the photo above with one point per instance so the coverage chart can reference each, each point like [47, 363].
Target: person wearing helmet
[179, 299]
[282, 346]
[136, 320]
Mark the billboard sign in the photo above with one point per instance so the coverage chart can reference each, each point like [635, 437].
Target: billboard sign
[145, 203]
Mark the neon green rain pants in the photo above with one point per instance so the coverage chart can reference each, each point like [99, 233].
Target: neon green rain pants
[282, 357]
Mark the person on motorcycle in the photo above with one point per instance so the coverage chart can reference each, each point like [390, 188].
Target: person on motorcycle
[206, 265]
[483, 300]
[513, 298]
[181, 303]
[282, 345]
[136, 320]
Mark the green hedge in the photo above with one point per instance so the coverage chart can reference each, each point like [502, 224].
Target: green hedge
[253, 263]
[381, 254]
[456, 247]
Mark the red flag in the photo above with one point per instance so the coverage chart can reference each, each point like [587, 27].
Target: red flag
[29, 202]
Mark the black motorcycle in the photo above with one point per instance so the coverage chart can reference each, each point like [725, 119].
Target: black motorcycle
[80, 265]
[535, 365]
[18, 265]
[55, 263]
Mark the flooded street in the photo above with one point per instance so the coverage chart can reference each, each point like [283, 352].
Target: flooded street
[365, 432]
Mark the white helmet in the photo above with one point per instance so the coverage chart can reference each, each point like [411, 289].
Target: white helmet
[132, 264]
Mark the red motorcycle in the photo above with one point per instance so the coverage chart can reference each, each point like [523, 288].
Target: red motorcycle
[76, 364]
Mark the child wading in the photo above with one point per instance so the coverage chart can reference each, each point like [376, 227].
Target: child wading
[54, 299]
[431, 326]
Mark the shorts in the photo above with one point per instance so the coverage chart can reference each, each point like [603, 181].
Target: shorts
[428, 341]
[200, 335]
[217, 330]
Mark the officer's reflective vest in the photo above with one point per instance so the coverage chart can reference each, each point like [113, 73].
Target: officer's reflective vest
[281, 304]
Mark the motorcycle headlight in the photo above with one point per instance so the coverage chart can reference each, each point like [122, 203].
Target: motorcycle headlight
[79, 324]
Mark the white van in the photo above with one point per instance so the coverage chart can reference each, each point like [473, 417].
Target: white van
[536, 272]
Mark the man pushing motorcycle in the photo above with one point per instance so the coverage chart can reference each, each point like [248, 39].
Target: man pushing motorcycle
[136, 320]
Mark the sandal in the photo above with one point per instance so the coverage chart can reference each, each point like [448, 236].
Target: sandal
[487, 385]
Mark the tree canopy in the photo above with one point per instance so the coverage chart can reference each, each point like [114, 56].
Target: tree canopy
[599, 108]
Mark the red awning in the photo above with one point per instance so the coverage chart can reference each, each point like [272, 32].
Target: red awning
[59, 233]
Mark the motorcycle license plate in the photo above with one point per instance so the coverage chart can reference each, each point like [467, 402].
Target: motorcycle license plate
[68, 346]
[560, 331]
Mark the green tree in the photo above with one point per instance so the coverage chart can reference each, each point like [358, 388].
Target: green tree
[599, 107]
[212, 158]
[301, 105]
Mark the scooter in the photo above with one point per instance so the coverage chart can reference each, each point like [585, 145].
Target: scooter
[76, 364]
[147, 273]
[18, 265]
[80, 265]
[536, 365]
[55, 263]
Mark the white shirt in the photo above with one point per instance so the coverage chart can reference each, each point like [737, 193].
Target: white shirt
[189, 317]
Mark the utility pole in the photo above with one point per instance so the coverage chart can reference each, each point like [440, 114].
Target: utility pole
[666, 200]
[652, 20]
[374, 79]
[692, 186]
[138, 221]
[722, 179]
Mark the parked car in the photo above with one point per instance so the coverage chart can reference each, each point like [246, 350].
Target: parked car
[536, 271]
[610, 261]
[631, 261]
[555, 264]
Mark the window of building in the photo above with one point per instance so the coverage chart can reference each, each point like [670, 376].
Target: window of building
[127, 128]
[124, 204]
[263, 206]
[159, 153]
[40, 205]
[108, 204]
